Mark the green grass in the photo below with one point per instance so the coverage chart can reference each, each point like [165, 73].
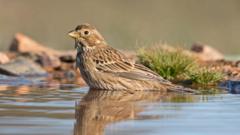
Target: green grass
[170, 65]
[205, 76]
[175, 65]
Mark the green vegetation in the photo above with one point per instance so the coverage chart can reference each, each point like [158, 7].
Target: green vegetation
[176, 65]
[170, 65]
[205, 76]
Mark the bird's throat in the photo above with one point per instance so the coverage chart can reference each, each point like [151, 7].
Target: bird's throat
[83, 47]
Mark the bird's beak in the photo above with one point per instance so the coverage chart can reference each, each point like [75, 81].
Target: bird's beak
[73, 34]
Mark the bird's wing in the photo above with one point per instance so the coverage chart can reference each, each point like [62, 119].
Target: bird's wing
[109, 60]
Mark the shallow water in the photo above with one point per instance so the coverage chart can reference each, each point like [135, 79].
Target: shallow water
[70, 110]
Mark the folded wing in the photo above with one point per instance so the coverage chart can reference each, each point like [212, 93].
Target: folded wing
[109, 60]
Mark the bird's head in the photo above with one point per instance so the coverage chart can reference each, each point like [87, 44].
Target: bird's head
[86, 36]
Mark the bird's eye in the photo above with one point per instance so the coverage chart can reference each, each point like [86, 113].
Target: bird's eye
[86, 33]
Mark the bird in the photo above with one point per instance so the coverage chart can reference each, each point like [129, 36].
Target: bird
[103, 67]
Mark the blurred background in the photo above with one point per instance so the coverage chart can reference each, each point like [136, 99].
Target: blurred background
[125, 24]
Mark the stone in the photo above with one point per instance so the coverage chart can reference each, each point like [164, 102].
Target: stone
[232, 86]
[4, 58]
[22, 66]
[49, 62]
[24, 44]
[68, 56]
[48, 58]
[206, 52]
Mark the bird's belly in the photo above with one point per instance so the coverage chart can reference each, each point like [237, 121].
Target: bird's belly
[108, 81]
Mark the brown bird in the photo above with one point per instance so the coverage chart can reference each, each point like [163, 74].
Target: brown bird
[103, 67]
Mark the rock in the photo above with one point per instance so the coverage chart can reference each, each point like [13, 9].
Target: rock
[237, 63]
[24, 44]
[49, 58]
[22, 66]
[233, 86]
[49, 62]
[4, 58]
[69, 56]
[206, 53]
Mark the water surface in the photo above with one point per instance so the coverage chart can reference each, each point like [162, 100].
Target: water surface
[71, 110]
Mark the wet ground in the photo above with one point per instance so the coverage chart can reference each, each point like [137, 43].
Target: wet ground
[67, 109]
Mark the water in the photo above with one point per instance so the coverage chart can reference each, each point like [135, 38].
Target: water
[71, 110]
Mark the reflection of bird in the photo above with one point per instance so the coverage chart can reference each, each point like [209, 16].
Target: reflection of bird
[103, 67]
[99, 108]
[103, 107]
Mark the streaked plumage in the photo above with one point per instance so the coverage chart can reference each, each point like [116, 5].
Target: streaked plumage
[103, 67]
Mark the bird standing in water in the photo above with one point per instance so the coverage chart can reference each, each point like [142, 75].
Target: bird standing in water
[103, 67]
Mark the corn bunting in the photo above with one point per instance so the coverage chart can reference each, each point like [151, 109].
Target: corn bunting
[103, 67]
